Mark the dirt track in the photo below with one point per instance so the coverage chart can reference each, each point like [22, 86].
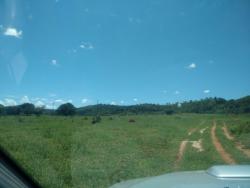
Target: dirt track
[227, 158]
[182, 149]
[226, 132]
[238, 145]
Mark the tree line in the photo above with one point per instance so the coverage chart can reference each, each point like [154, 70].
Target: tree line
[208, 105]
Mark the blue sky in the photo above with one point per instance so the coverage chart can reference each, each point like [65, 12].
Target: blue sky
[123, 52]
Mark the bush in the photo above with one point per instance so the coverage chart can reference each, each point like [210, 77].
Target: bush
[131, 121]
[241, 129]
[169, 112]
[96, 119]
[66, 110]
[20, 120]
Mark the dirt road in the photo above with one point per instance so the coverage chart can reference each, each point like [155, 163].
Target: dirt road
[238, 145]
[227, 158]
[180, 154]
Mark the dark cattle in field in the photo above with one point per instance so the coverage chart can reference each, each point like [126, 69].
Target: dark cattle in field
[131, 121]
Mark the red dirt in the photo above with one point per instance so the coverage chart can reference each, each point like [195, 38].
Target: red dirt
[238, 145]
[227, 158]
[182, 149]
[226, 132]
[241, 147]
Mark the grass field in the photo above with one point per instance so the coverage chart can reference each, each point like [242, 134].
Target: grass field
[72, 152]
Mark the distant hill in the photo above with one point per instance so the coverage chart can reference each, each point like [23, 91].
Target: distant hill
[207, 105]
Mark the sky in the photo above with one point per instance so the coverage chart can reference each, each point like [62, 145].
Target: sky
[123, 52]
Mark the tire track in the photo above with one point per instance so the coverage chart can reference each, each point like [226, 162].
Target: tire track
[226, 132]
[182, 149]
[227, 158]
[238, 145]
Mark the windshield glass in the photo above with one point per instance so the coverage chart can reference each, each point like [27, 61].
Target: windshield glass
[94, 93]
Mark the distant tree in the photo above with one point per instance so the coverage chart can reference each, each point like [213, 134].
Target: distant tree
[169, 112]
[27, 108]
[131, 121]
[39, 110]
[67, 109]
[12, 110]
[1, 109]
[96, 119]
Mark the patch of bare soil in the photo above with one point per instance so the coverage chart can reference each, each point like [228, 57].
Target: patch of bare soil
[203, 130]
[238, 145]
[226, 132]
[242, 148]
[191, 131]
[224, 155]
[197, 145]
[182, 149]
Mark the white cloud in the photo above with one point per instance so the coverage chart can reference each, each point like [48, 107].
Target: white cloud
[39, 104]
[70, 101]
[192, 66]
[54, 62]
[10, 102]
[206, 91]
[59, 101]
[82, 46]
[13, 32]
[37, 99]
[25, 99]
[49, 106]
[176, 92]
[84, 101]
[87, 46]
[113, 103]
[1, 102]
[135, 99]
[122, 102]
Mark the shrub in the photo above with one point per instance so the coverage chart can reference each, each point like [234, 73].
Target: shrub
[96, 119]
[131, 121]
[241, 129]
[20, 120]
[66, 110]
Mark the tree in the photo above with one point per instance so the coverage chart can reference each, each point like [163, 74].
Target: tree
[66, 110]
[12, 110]
[39, 110]
[27, 108]
[1, 109]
